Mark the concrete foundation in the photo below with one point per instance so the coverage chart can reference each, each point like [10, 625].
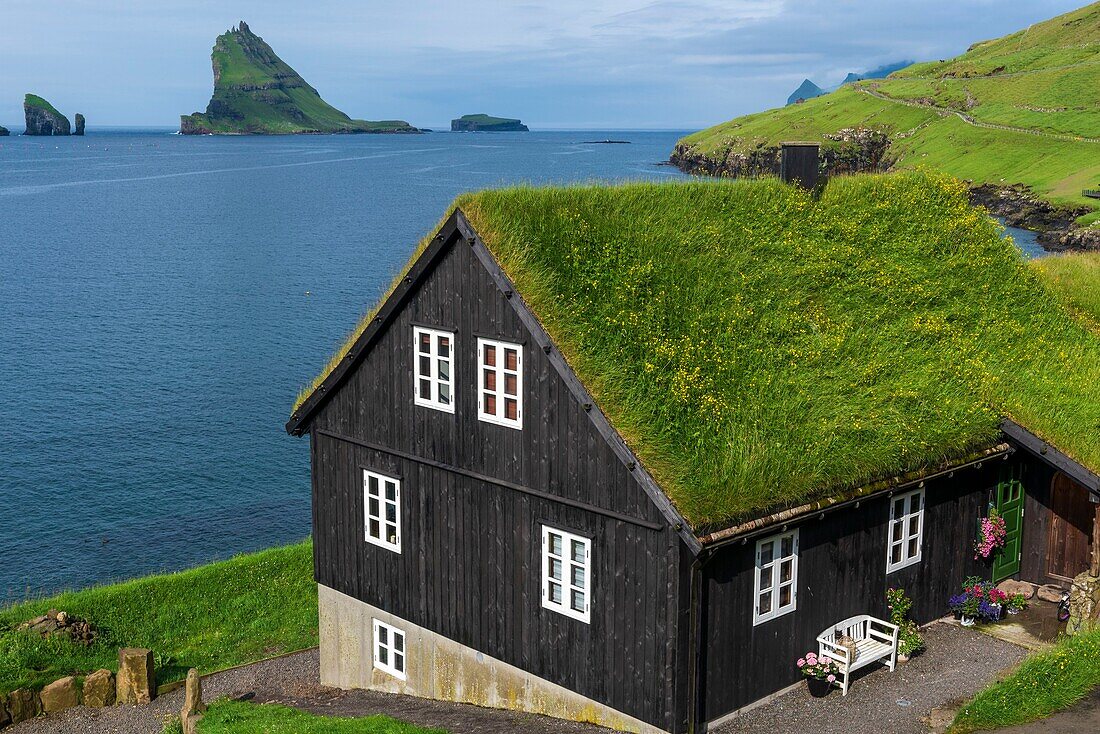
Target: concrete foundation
[444, 670]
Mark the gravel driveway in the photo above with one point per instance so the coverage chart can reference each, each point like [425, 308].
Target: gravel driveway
[958, 663]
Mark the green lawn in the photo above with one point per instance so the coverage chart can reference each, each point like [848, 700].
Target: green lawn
[231, 717]
[211, 617]
[1075, 278]
[758, 347]
[1046, 79]
[1043, 684]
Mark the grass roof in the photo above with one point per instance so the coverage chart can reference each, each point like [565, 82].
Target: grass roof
[1075, 279]
[758, 348]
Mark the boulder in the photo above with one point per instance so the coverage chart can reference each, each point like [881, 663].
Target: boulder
[1050, 592]
[5, 717]
[99, 689]
[23, 705]
[135, 676]
[60, 695]
[1084, 603]
[193, 706]
[79, 124]
[1012, 588]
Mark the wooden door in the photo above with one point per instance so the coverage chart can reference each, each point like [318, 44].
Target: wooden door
[1069, 550]
[1010, 504]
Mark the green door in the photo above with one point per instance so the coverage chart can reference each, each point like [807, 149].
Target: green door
[1010, 503]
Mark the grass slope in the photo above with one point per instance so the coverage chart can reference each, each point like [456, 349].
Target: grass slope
[232, 717]
[1045, 78]
[211, 617]
[1075, 279]
[1043, 684]
[758, 348]
[257, 92]
[33, 100]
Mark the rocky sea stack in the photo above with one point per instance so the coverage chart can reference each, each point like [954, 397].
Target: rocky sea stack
[43, 118]
[257, 93]
[3, 131]
[79, 124]
[487, 124]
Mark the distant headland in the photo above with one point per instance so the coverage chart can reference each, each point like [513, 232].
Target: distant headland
[487, 123]
[44, 119]
[257, 93]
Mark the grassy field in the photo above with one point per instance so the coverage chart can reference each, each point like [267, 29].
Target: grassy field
[212, 617]
[231, 717]
[268, 96]
[1043, 684]
[758, 348]
[1075, 278]
[35, 101]
[1045, 79]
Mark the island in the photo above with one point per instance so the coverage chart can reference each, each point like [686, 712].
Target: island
[487, 124]
[257, 93]
[3, 131]
[43, 118]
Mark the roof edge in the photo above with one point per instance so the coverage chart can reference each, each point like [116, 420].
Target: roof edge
[1055, 457]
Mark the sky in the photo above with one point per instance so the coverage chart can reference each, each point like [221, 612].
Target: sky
[611, 64]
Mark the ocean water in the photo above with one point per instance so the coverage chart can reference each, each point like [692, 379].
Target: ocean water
[163, 298]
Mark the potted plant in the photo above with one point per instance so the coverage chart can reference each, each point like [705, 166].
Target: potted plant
[992, 534]
[820, 673]
[1016, 604]
[910, 641]
[980, 601]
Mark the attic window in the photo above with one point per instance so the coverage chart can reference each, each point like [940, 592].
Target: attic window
[389, 649]
[500, 383]
[776, 576]
[906, 530]
[434, 386]
[382, 500]
[566, 573]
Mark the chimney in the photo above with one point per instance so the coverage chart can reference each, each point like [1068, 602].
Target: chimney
[798, 164]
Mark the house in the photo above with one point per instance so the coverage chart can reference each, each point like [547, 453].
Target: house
[619, 454]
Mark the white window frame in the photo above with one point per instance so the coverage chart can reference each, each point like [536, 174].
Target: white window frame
[906, 534]
[390, 647]
[500, 375]
[436, 382]
[771, 570]
[382, 539]
[566, 566]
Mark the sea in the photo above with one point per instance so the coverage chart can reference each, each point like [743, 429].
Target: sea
[163, 298]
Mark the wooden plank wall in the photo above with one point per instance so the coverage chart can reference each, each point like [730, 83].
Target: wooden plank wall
[842, 572]
[469, 568]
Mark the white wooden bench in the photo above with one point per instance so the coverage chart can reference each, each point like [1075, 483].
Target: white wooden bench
[875, 640]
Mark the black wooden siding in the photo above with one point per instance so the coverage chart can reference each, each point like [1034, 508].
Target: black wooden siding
[469, 567]
[841, 573]
[1038, 478]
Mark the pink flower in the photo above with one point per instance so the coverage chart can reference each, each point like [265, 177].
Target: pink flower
[801, 662]
[831, 678]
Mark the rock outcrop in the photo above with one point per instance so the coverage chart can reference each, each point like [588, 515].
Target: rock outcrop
[135, 681]
[487, 123]
[3, 131]
[257, 93]
[99, 689]
[79, 124]
[58, 623]
[43, 118]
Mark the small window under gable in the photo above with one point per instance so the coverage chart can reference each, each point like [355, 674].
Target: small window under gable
[906, 530]
[434, 368]
[567, 573]
[500, 383]
[776, 587]
[382, 501]
[389, 649]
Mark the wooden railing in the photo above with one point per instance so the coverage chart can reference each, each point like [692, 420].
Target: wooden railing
[1091, 193]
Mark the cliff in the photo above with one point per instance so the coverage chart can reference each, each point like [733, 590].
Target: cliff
[3, 131]
[79, 124]
[43, 118]
[487, 123]
[256, 92]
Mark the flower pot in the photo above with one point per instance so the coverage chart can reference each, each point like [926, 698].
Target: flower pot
[966, 621]
[903, 658]
[818, 687]
[958, 615]
[1014, 610]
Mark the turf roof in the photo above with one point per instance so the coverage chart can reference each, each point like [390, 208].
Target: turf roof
[758, 349]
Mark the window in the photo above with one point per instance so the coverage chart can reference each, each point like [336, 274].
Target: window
[383, 510]
[500, 398]
[434, 368]
[776, 576]
[566, 573]
[906, 530]
[389, 649]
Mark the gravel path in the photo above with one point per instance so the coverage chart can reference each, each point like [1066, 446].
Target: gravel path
[958, 662]
[292, 680]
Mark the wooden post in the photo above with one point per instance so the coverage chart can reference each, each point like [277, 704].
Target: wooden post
[1095, 571]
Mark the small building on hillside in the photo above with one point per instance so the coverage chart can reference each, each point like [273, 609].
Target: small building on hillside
[620, 454]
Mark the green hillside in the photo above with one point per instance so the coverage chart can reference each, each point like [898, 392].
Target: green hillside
[33, 100]
[1024, 108]
[257, 92]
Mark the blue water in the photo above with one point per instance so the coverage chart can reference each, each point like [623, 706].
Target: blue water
[162, 299]
[1025, 239]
